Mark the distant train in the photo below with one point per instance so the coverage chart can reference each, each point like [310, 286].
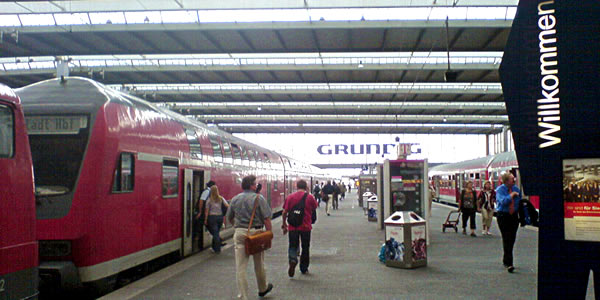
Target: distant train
[116, 178]
[18, 245]
[449, 179]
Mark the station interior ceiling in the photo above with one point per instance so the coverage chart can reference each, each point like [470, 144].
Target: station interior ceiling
[381, 66]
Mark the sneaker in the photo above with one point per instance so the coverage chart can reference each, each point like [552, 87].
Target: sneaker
[510, 269]
[473, 234]
[269, 288]
[304, 272]
[488, 233]
[292, 268]
[483, 232]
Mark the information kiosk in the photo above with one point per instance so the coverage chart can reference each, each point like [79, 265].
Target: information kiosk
[405, 188]
[366, 183]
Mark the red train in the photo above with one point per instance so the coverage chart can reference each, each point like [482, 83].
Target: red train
[18, 245]
[449, 179]
[116, 178]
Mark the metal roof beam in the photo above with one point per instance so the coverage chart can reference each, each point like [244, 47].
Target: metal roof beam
[147, 5]
[437, 24]
[317, 88]
[354, 118]
[353, 128]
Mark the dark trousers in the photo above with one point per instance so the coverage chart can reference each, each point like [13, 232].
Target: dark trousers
[468, 214]
[214, 227]
[508, 224]
[295, 237]
[335, 201]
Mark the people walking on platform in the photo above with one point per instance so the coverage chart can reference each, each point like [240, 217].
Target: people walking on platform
[507, 200]
[487, 202]
[336, 195]
[215, 210]
[349, 188]
[327, 192]
[468, 206]
[239, 214]
[342, 191]
[299, 226]
[317, 193]
[199, 209]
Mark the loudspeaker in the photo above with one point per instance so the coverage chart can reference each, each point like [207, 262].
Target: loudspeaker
[450, 76]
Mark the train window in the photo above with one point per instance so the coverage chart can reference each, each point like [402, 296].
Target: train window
[7, 124]
[124, 173]
[195, 148]
[170, 178]
[227, 158]
[244, 154]
[216, 146]
[237, 153]
[476, 175]
[266, 158]
[57, 156]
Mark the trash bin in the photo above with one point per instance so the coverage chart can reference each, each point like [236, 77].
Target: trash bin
[372, 208]
[406, 240]
[364, 199]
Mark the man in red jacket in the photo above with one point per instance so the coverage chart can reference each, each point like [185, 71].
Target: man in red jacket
[299, 233]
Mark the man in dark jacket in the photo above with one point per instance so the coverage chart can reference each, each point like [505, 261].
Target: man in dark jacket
[327, 192]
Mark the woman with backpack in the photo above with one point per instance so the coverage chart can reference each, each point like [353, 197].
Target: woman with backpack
[467, 205]
[215, 209]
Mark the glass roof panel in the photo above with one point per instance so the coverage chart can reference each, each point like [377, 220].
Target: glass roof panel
[141, 17]
[10, 20]
[72, 19]
[107, 18]
[37, 19]
[188, 16]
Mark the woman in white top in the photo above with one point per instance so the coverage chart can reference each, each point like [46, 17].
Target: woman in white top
[214, 210]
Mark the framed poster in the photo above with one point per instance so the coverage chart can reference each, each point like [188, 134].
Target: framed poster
[581, 192]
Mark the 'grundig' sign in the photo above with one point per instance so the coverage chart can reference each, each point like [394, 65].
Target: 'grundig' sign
[338, 149]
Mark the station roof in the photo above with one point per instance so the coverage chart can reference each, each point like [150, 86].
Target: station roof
[278, 66]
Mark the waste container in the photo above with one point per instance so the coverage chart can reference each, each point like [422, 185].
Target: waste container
[405, 240]
[372, 208]
[364, 199]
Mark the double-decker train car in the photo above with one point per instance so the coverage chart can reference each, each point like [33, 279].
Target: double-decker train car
[117, 178]
[449, 179]
[18, 245]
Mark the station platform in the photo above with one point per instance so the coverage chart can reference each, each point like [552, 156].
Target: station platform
[344, 265]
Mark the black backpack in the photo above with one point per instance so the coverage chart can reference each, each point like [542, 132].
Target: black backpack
[296, 215]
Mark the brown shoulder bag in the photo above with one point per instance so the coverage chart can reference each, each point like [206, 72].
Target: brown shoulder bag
[259, 241]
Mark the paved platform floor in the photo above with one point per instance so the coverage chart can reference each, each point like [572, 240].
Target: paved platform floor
[344, 265]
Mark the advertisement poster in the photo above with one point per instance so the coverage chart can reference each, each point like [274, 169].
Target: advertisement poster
[581, 192]
[419, 245]
[397, 246]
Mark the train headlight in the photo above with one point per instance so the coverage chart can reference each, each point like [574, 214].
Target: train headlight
[55, 248]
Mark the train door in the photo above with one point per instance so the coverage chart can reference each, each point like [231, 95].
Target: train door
[458, 185]
[188, 212]
[269, 192]
[200, 180]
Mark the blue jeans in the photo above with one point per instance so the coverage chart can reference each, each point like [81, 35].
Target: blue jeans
[214, 227]
[295, 237]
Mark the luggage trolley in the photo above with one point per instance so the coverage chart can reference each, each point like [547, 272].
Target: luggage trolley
[452, 222]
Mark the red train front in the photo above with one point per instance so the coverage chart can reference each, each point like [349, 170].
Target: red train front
[18, 246]
[116, 178]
